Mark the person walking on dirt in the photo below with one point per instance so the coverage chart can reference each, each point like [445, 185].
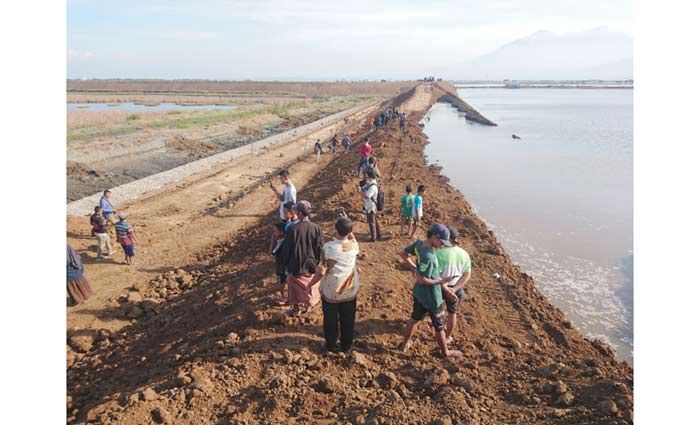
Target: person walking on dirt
[377, 122]
[287, 194]
[365, 152]
[454, 262]
[369, 196]
[428, 288]
[402, 122]
[99, 230]
[346, 144]
[372, 165]
[301, 256]
[406, 210]
[318, 150]
[339, 286]
[126, 237]
[108, 211]
[334, 144]
[78, 287]
[417, 212]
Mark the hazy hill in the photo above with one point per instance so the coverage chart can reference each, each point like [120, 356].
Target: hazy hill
[594, 54]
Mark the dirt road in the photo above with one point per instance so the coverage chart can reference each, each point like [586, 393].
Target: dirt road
[183, 219]
[207, 345]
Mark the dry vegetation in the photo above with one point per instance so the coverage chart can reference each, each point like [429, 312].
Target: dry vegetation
[240, 88]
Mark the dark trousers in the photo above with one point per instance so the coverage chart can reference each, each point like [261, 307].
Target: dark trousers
[343, 314]
[375, 232]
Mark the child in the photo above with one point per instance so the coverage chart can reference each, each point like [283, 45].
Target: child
[407, 210]
[275, 249]
[339, 286]
[417, 211]
[428, 288]
[318, 150]
[125, 236]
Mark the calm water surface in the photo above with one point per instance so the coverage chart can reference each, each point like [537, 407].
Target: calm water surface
[135, 107]
[559, 199]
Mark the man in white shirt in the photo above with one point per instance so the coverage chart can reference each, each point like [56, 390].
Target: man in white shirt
[369, 196]
[339, 286]
[288, 193]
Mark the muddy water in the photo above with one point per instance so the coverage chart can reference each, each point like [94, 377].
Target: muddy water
[559, 199]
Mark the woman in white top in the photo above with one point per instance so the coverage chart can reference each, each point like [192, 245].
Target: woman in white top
[339, 286]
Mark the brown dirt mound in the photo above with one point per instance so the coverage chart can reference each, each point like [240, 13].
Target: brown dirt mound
[207, 345]
[183, 144]
[77, 169]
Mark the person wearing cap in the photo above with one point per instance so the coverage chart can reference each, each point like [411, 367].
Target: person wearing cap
[369, 191]
[339, 286]
[428, 287]
[287, 194]
[99, 230]
[454, 262]
[125, 237]
[301, 255]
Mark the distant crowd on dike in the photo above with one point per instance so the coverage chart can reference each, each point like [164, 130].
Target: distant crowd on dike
[310, 270]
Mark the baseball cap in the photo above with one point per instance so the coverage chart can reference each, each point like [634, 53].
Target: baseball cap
[442, 232]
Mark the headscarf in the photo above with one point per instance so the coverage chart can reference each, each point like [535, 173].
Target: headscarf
[74, 258]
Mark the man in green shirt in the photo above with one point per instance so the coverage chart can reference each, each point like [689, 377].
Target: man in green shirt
[454, 262]
[407, 209]
[427, 290]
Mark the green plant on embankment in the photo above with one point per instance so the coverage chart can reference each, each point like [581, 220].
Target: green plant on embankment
[133, 117]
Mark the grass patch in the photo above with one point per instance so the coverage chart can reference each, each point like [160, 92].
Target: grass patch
[176, 119]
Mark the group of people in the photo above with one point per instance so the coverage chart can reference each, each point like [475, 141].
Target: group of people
[383, 118]
[334, 143]
[310, 271]
[104, 222]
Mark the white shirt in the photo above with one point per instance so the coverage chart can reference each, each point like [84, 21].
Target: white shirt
[289, 194]
[370, 190]
[341, 282]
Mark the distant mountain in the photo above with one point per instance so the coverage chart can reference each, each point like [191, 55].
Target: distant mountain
[594, 54]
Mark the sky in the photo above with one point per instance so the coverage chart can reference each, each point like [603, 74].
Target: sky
[303, 39]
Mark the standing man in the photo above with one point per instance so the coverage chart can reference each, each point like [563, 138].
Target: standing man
[346, 143]
[301, 255]
[369, 196]
[365, 152]
[288, 193]
[334, 144]
[402, 122]
[339, 286]
[454, 262]
[428, 288]
[99, 229]
[108, 211]
[417, 213]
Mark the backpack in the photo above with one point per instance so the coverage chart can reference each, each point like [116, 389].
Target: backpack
[379, 201]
